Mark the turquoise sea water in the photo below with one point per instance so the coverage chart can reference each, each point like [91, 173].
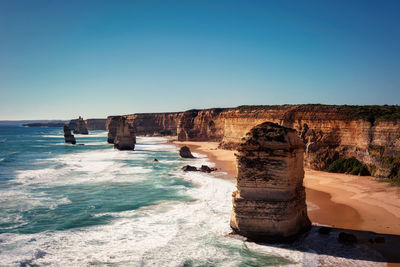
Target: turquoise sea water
[92, 205]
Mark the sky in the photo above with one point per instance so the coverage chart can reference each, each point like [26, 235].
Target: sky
[61, 59]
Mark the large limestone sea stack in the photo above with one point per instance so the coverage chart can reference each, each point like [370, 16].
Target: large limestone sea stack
[125, 137]
[269, 204]
[112, 129]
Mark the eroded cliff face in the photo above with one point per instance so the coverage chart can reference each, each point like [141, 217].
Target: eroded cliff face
[125, 137]
[111, 126]
[329, 132]
[155, 124]
[269, 204]
[201, 125]
[96, 124]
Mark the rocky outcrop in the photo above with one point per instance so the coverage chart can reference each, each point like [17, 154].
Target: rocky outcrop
[111, 126]
[96, 124]
[188, 168]
[125, 137]
[203, 168]
[79, 126]
[184, 152]
[201, 125]
[155, 124]
[69, 138]
[269, 204]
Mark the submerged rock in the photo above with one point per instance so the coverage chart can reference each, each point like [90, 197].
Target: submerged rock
[189, 168]
[184, 152]
[69, 138]
[81, 126]
[125, 138]
[269, 204]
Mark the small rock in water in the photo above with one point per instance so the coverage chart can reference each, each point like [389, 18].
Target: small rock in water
[69, 138]
[184, 152]
[155, 160]
[205, 168]
[189, 168]
[347, 238]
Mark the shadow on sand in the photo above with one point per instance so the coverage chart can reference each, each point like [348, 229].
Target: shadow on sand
[368, 246]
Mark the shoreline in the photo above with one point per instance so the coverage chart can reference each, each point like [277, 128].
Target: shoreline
[337, 200]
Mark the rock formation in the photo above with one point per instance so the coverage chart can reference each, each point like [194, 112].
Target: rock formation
[189, 168]
[184, 152]
[371, 134]
[125, 137]
[112, 123]
[69, 138]
[96, 124]
[269, 204]
[203, 168]
[155, 124]
[79, 126]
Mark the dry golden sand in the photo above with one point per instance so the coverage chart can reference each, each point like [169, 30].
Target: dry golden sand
[339, 200]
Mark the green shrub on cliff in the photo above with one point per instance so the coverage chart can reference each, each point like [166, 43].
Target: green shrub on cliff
[351, 166]
[372, 113]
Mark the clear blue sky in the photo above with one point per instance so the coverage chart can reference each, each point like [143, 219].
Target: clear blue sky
[61, 59]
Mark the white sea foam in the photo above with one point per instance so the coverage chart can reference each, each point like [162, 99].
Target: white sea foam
[92, 134]
[166, 234]
[53, 136]
[85, 167]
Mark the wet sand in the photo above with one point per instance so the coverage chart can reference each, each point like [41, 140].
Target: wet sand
[338, 200]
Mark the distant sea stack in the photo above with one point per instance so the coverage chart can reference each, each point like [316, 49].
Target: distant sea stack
[81, 127]
[269, 204]
[69, 138]
[112, 123]
[125, 137]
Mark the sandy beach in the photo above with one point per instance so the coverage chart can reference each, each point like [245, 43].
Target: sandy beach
[338, 200]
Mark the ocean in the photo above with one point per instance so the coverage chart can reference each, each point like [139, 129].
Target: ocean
[92, 205]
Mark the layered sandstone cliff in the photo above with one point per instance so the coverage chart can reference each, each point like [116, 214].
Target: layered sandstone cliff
[155, 124]
[111, 126]
[369, 133]
[125, 137]
[329, 132]
[269, 204]
[96, 124]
